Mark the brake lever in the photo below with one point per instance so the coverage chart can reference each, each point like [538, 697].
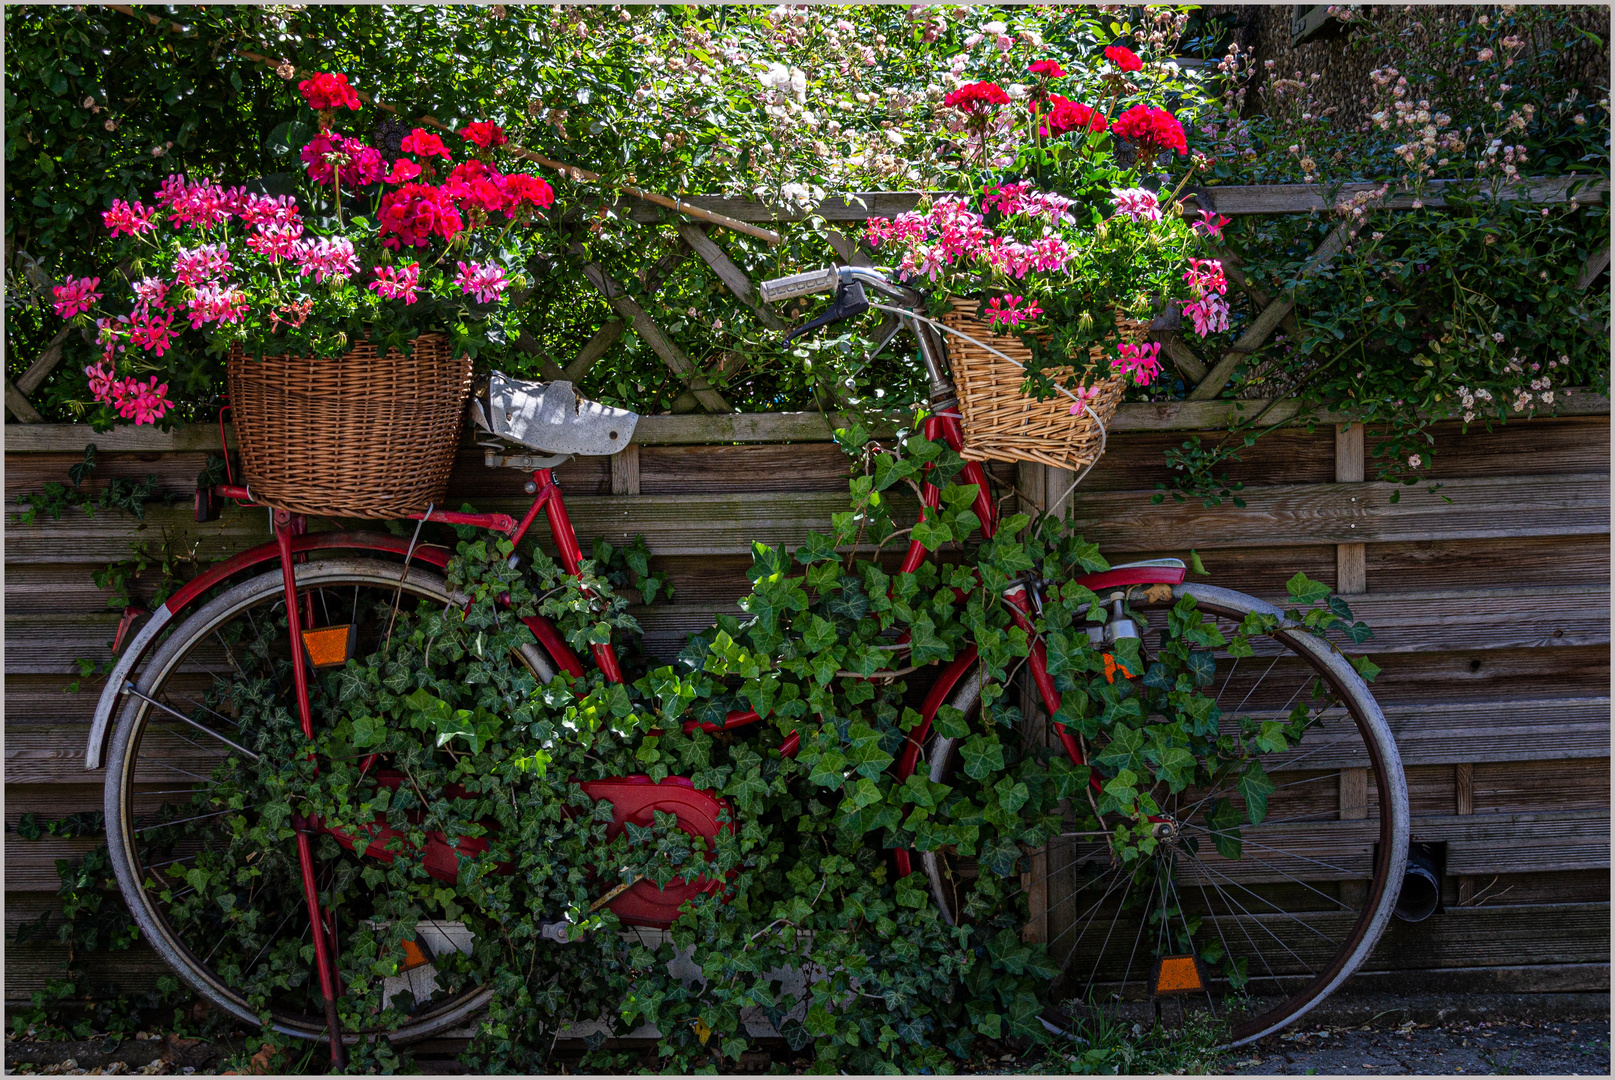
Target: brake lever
[849, 301]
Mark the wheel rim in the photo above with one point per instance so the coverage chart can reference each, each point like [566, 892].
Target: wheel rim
[1303, 902]
[162, 769]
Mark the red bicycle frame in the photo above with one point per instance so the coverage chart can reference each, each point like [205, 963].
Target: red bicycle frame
[941, 426]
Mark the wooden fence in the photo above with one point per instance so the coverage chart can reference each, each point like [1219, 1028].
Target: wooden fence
[1491, 620]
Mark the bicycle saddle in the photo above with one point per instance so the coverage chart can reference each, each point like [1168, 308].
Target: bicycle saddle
[550, 417]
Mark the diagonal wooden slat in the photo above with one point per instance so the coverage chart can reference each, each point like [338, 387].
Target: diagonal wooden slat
[20, 406]
[733, 278]
[1271, 316]
[674, 357]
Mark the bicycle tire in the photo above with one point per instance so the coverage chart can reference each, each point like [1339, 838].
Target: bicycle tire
[1291, 995]
[179, 655]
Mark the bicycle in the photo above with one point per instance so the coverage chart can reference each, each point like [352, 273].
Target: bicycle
[1296, 906]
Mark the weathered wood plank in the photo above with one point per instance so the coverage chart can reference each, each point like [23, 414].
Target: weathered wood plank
[726, 428]
[1576, 671]
[1357, 513]
[20, 406]
[733, 278]
[1302, 198]
[1486, 563]
[1484, 619]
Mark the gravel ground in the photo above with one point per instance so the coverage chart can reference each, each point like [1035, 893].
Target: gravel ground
[1490, 1047]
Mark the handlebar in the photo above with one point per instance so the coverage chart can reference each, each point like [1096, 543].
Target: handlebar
[814, 281]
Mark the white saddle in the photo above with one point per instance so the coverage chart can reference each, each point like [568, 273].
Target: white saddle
[550, 417]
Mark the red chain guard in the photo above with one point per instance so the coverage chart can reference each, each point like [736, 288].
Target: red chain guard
[634, 799]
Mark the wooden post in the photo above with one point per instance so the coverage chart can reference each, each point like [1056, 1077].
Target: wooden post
[1351, 560]
[1351, 577]
[625, 471]
[1463, 776]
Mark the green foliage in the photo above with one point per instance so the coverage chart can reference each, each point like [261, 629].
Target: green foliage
[483, 751]
[121, 494]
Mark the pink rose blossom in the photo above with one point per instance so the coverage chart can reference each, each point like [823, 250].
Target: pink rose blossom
[77, 295]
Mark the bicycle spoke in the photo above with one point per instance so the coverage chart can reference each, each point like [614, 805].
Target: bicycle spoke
[1276, 910]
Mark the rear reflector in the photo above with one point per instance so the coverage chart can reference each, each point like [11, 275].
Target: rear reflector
[1178, 975]
[329, 646]
[414, 956]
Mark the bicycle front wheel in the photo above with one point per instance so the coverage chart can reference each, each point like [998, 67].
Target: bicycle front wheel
[1259, 921]
[224, 909]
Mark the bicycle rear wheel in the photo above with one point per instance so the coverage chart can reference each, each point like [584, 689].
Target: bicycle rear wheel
[1268, 918]
[211, 699]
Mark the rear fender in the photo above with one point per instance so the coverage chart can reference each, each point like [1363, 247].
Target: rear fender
[112, 694]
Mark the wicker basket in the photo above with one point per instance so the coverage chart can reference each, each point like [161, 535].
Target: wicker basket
[1003, 424]
[360, 435]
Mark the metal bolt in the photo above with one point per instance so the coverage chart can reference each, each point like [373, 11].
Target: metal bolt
[531, 487]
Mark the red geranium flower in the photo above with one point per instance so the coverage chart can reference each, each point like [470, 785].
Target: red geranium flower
[1125, 59]
[1047, 68]
[977, 97]
[403, 169]
[484, 134]
[326, 91]
[423, 143]
[1066, 115]
[1153, 130]
[476, 184]
[520, 188]
[416, 213]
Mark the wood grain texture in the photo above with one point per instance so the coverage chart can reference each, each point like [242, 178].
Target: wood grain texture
[1576, 504]
[737, 427]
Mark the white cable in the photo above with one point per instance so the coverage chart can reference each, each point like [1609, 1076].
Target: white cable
[982, 344]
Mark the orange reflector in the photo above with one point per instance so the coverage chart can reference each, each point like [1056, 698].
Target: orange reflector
[1111, 667]
[414, 956]
[329, 645]
[1177, 975]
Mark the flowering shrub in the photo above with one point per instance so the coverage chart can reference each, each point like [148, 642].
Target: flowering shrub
[308, 274]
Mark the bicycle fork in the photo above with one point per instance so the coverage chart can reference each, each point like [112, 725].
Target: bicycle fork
[287, 525]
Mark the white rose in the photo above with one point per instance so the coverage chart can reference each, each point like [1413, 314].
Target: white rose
[994, 28]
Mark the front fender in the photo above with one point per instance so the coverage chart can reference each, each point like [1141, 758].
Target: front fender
[113, 693]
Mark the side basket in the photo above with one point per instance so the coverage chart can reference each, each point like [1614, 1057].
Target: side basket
[360, 435]
[1003, 424]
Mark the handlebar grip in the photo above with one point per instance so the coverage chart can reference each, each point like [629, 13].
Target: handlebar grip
[814, 281]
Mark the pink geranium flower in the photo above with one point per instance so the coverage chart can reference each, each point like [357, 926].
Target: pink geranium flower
[126, 219]
[1209, 314]
[484, 280]
[327, 257]
[1142, 362]
[396, 283]
[145, 403]
[403, 170]
[1010, 312]
[102, 380]
[423, 143]
[1211, 222]
[217, 303]
[76, 296]
[1085, 396]
[273, 210]
[151, 291]
[277, 242]
[1140, 204]
[209, 262]
[152, 332]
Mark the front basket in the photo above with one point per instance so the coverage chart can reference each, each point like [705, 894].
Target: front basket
[1001, 423]
[360, 435]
